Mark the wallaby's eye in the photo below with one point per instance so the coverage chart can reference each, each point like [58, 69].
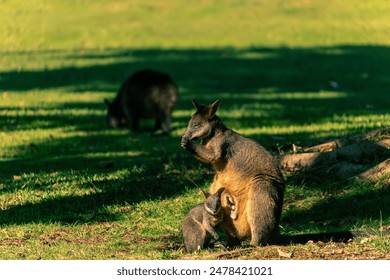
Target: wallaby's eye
[197, 125]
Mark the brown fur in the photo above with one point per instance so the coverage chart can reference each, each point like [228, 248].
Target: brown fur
[250, 175]
[145, 94]
[198, 226]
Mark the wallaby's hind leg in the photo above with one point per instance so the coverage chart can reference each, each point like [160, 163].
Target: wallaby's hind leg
[194, 238]
[166, 123]
[263, 214]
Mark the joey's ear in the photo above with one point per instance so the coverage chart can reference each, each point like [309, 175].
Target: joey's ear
[199, 106]
[108, 103]
[220, 191]
[212, 108]
[206, 194]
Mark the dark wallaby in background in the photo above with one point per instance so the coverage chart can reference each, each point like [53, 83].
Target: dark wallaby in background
[145, 94]
[198, 226]
[254, 186]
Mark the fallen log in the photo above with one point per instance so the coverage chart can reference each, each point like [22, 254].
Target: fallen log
[296, 162]
[352, 153]
[333, 144]
[376, 134]
[376, 172]
[326, 147]
[364, 150]
[345, 169]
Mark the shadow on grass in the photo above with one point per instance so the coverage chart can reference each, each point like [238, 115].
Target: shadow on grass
[289, 85]
[352, 69]
[212, 71]
[333, 218]
[356, 76]
[93, 179]
[93, 207]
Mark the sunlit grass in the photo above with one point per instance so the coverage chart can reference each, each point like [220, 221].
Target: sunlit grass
[171, 23]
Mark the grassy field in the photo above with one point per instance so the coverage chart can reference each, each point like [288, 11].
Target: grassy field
[286, 72]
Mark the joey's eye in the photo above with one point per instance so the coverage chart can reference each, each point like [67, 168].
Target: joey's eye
[197, 125]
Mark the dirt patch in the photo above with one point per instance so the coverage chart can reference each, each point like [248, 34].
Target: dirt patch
[363, 250]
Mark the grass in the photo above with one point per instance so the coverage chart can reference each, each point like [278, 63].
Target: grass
[286, 71]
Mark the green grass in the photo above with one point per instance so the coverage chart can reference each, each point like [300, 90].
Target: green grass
[70, 188]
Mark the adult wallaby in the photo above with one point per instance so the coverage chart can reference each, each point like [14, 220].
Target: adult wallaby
[198, 226]
[253, 183]
[145, 94]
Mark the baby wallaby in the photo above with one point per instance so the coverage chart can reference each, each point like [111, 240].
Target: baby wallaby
[198, 226]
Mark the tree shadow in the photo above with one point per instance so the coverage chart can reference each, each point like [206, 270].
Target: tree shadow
[356, 75]
[91, 208]
[333, 217]
[347, 202]
[150, 175]
[354, 69]
[291, 85]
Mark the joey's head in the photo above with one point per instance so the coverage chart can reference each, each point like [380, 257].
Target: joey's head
[115, 117]
[202, 122]
[212, 203]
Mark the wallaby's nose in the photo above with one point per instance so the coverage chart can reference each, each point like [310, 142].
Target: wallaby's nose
[185, 134]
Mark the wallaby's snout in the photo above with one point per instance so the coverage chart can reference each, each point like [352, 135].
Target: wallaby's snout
[196, 128]
[213, 202]
[216, 211]
[192, 134]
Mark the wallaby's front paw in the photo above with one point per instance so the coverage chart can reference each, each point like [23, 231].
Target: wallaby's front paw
[232, 206]
[185, 143]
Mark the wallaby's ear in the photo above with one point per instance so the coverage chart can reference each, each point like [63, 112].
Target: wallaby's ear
[207, 111]
[220, 191]
[215, 106]
[199, 106]
[212, 108]
[108, 103]
[206, 194]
